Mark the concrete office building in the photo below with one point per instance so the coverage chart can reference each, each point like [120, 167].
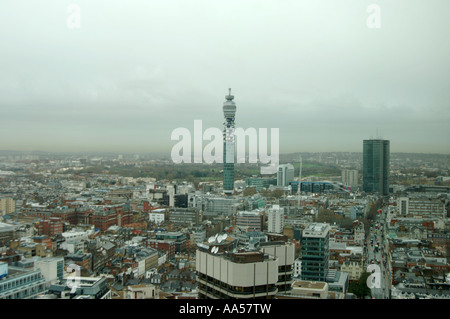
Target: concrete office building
[189, 216]
[285, 254]
[52, 268]
[251, 220]
[20, 283]
[220, 206]
[235, 275]
[422, 206]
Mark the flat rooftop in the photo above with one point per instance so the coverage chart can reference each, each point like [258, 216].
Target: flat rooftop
[316, 230]
[317, 285]
[7, 227]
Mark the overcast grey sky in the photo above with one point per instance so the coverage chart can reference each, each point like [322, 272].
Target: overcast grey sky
[137, 69]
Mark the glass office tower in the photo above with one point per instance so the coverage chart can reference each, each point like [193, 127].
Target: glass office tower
[315, 252]
[376, 166]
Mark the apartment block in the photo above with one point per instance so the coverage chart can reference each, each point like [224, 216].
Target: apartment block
[7, 206]
[275, 219]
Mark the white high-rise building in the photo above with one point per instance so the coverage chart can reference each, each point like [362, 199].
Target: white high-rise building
[350, 177]
[7, 206]
[275, 219]
[285, 174]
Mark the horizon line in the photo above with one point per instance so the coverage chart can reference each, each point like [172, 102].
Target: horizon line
[168, 152]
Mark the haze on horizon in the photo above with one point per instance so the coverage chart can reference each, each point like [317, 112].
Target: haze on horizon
[136, 70]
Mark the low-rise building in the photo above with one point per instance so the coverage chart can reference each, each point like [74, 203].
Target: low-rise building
[20, 283]
[143, 291]
[251, 220]
[80, 288]
[52, 268]
[309, 290]
[353, 268]
[6, 233]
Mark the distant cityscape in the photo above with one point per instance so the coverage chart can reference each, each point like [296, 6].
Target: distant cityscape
[300, 226]
[137, 226]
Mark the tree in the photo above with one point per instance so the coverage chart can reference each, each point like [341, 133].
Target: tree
[249, 191]
[360, 288]
[277, 193]
[374, 207]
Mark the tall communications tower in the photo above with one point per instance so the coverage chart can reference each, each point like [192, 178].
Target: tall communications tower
[229, 111]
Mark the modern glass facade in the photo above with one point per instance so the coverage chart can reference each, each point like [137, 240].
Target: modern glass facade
[228, 177]
[316, 187]
[315, 252]
[260, 182]
[376, 166]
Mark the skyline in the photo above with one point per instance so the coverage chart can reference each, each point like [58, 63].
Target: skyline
[132, 73]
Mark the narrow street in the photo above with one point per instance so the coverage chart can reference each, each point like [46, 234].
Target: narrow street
[376, 254]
